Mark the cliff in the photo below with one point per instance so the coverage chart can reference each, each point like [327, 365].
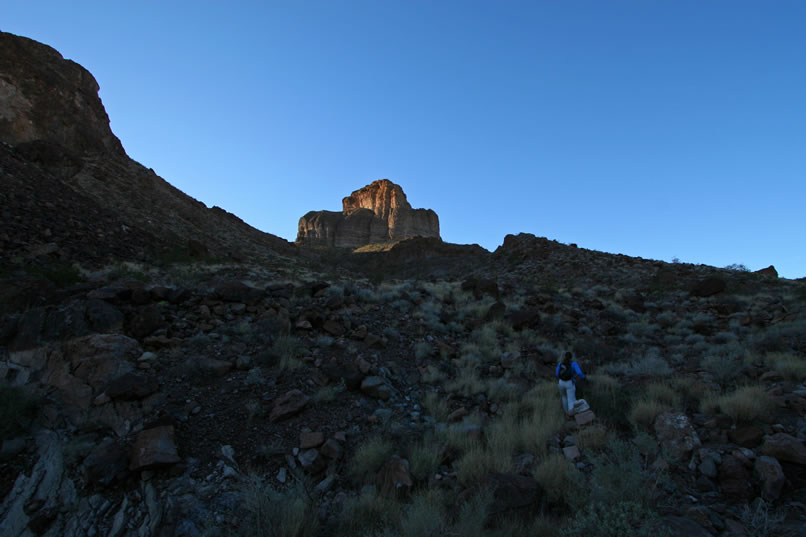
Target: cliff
[376, 213]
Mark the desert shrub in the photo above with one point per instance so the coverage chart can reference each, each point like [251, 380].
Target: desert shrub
[564, 485]
[691, 391]
[279, 513]
[724, 369]
[759, 520]
[423, 518]
[368, 514]
[747, 403]
[432, 375]
[642, 329]
[617, 519]
[467, 382]
[18, 408]
[478, 462]
[644, 411]
[391, 334]
[472, 516]
[424, 457]
[609, 398]
[423, 349]
[788, 365]
[61, 274]
[436, 405]
[401, 305]
[619, 474]
[501, 389]
[327, 394]
[781, 337]
[287, 349]
[650, 365]
[666, 319]
[593, 437]
[369, 457]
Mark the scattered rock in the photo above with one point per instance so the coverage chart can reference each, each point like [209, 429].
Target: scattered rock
[394, 479]
[785, 447]
[288, 405]
[676, 435]
[769, 472]
[154, 447]
[376, 387]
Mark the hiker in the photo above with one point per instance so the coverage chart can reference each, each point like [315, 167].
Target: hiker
[568, 372]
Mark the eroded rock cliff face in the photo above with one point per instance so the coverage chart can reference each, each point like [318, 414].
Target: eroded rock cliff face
[377, 213]
[71, 194]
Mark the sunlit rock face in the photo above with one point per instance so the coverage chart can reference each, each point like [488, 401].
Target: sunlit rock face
[376, 213]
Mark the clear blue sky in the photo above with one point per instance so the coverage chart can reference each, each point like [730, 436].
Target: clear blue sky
[657, 129]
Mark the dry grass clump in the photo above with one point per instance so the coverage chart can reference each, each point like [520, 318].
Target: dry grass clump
[287, 349]
[561, 481]
[692, 390]
[747, 403]
[274, 513]
[424, 457]
[436, 406]
[593, 437]
[368, 513]
[369, 457]
[478, 462]
[658, 397]
[467, 382]
[788, 365]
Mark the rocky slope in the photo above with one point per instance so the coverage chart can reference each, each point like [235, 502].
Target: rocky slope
[376, 213]
[408, 391]
[69, 186]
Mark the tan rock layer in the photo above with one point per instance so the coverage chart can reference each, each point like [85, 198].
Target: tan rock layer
[376, 213]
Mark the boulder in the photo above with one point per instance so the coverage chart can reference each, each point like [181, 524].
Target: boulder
[131, 386]
[510, 491]
[676, 435]
[769, 472]
[376, 387]
[708, 287]
[769, 272]
[394, 479]
[785, 447]
[288, 405]
[105, 464]
[146, 321]
[154, 447]
[734, 479]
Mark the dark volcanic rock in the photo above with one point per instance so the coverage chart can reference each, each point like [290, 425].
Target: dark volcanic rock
[154, 447]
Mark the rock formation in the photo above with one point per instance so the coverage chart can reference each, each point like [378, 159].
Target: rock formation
[377, 213]
[69, 190]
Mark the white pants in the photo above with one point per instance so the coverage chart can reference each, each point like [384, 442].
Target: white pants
[568, 394]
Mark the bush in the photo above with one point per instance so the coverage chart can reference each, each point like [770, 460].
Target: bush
[423, 518]
[619, 474]
[423, 350]
[369, 457]
[273, 513]
[593, 437]
[787, 365]
[17, 410]
[368, 513]
[748, 403]
[424, 458]
[563, 484]
[287, 349]
[618, 519]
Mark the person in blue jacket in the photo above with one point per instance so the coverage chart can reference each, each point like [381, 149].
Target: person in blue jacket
[568, 372]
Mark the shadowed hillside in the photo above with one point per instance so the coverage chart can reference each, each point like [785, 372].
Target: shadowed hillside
[168, 370]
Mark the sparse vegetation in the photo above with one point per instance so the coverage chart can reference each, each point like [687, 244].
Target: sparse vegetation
[746, 404]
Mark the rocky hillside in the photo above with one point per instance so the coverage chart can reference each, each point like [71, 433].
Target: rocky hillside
[376, 213]
[402, 390]
[70, 193]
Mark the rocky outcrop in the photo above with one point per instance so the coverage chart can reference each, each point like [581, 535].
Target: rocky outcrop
[71, 194]
[377, 213]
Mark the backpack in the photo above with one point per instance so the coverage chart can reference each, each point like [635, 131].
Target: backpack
[566, 373]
